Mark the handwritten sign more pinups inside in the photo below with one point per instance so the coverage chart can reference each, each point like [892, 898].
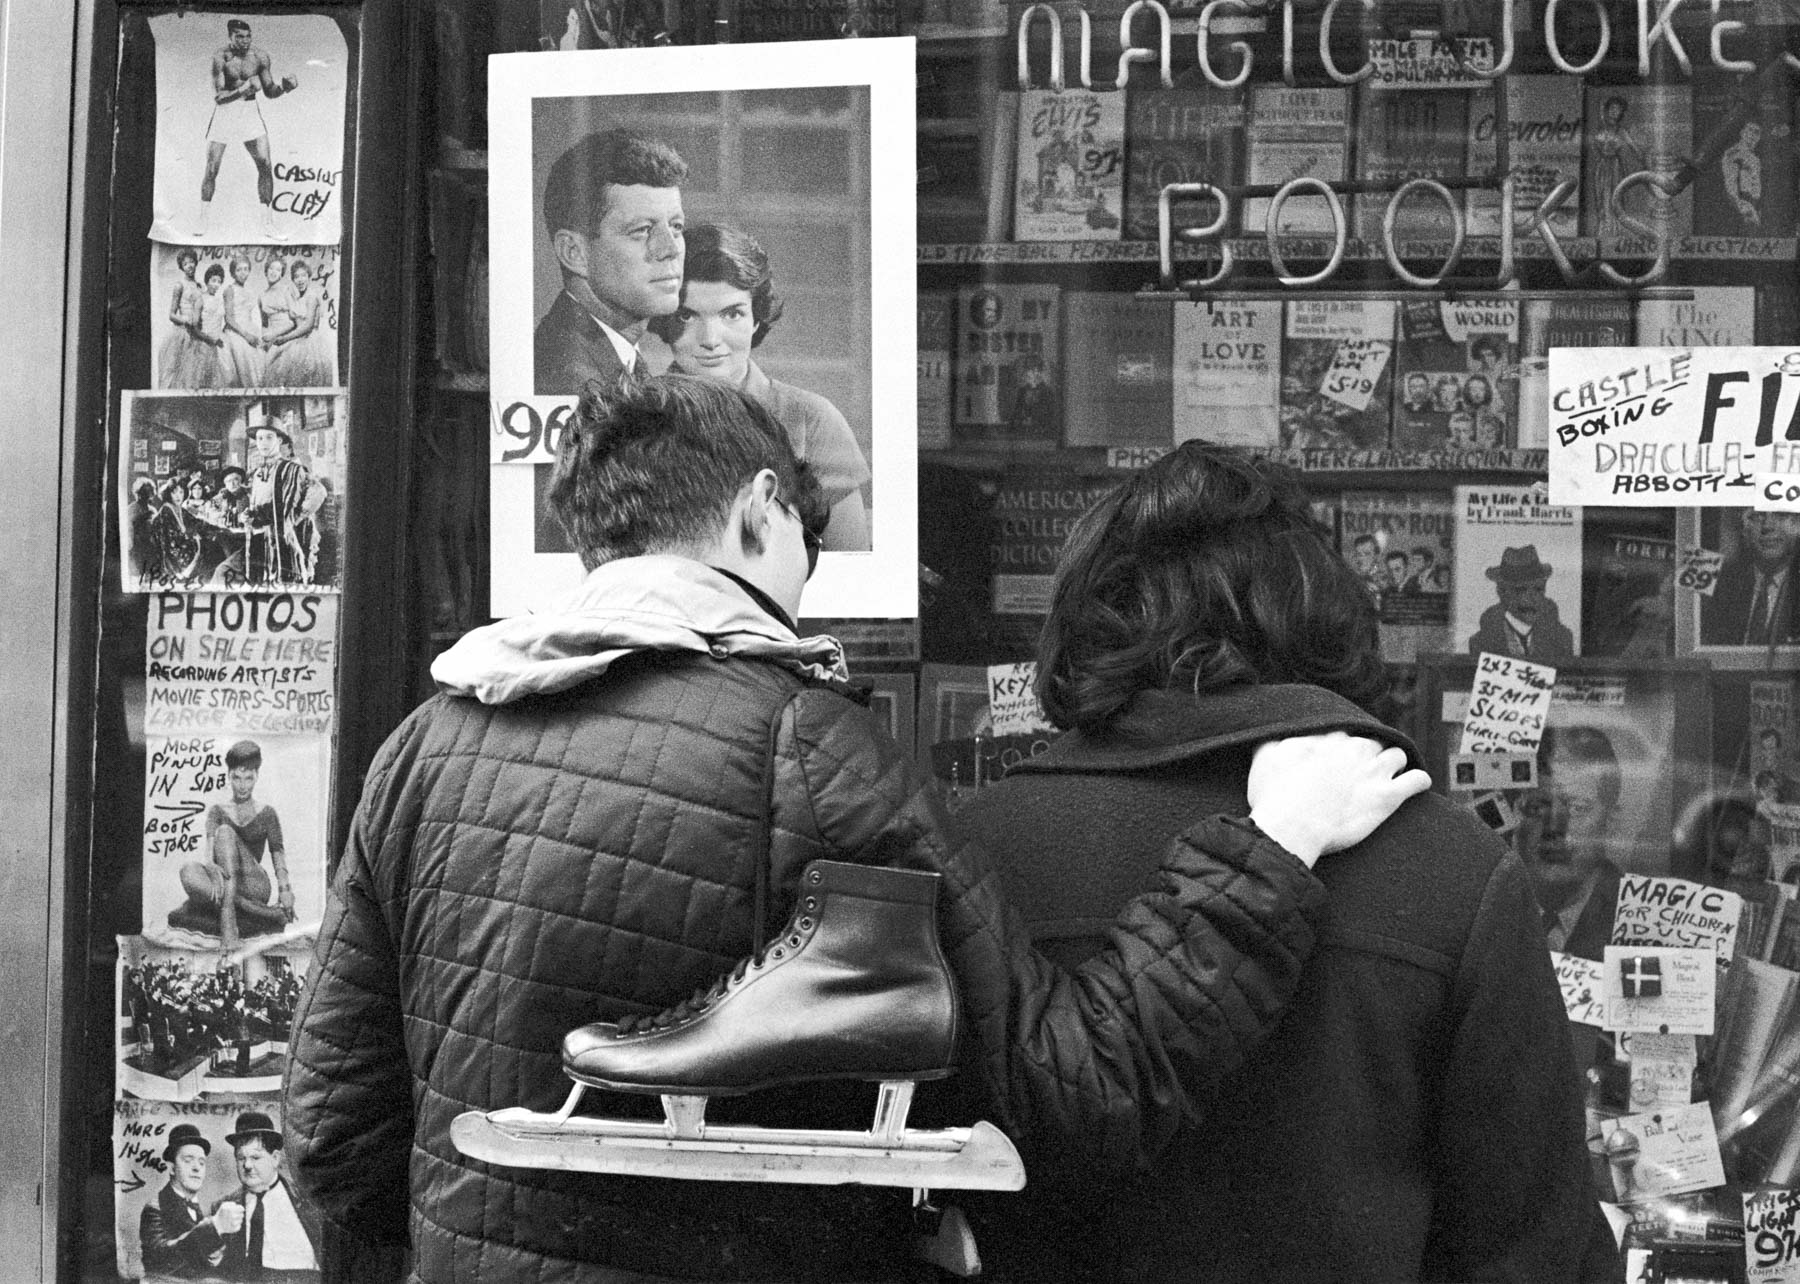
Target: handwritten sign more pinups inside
[1507, 705]
[1654, 427]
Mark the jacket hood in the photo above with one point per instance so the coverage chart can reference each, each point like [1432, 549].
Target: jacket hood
[1161, 727]
[654, 603]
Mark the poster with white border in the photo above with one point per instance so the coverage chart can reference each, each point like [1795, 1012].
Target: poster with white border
[251, 807]
[244, 316]
[806, 146]
[249, 128]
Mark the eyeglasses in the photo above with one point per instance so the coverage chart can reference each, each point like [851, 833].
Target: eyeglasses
[807, 536]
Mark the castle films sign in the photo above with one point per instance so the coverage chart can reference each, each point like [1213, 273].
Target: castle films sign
[1688, 427]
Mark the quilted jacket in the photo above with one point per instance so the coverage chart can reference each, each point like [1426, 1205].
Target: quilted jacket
[572, 834]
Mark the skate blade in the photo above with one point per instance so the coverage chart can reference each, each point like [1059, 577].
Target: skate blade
[975, 1158]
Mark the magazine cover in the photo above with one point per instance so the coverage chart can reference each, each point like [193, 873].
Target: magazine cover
[1717, 316]
[1749, 189]
[1543, 115]
[1336, 374]
[1627, 589]
[1740, 605]
[1118, 383]
[1192, 133]
[244, 316]
[1405, 134]
[1580, 321]
[1456, 374]
[232, 490]
[1228, 372]
[937, 339]
[1295, 133]
[1070, 183]
[1516, 588]
[1009, 363]
[1400, 543]
[1630, 128]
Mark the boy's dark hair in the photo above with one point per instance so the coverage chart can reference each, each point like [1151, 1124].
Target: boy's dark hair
[718, 253]
[575, 191]
[235, 24]
[1206, 570]
[653, 464]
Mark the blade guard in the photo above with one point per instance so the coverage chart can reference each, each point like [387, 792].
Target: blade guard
[980, 1157]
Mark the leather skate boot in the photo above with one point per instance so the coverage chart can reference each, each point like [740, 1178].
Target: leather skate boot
[855, 987]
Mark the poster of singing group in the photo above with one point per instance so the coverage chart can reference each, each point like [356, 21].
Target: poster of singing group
[231, 491]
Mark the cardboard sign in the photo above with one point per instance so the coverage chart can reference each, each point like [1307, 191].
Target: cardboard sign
[1012, 702]
[1659, 990]
[1772, 1237]
[1665, 1152]
[1673, 911]
[1583, 987]
[1355, 371]
[1652, 427]
[1507, 706]
[225, 662]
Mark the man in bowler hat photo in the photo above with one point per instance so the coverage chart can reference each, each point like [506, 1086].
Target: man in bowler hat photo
[1523, 622]
[273, 1243]
[177, 1235]
[1753, 603]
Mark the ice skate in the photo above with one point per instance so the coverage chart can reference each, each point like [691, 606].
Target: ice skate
[855, 987]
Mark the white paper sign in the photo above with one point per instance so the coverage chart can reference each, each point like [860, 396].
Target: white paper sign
[1507, 705]
[526, 430]
[1662, 1070]
[1355, 370]
[1583, 987]
[1700, 570]
[1653, 427]
[1660, 990]
[1676, 1151]
[225, 662]
[1674, 911]
[1012, 701]
[1772, 1237]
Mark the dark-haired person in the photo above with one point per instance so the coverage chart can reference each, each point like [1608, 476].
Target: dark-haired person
[577, 828]
[1416, 1114]
[1564, 837]
[228, 895]
[175, 534]
[241, 73]
[612, 208]
[728, 305]
[276, 1242]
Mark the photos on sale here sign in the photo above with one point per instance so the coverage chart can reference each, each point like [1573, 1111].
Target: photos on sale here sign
[1687, 427]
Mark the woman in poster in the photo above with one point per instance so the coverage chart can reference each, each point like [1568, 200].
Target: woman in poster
[272, 304]
[242, 356]
[188, 358]
[300, 356]
[173, 534]
[728, 305]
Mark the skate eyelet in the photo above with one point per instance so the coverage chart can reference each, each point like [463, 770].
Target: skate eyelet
[812, 903]
[814, 876]
[778, 952]
[806, 925]
[794, 941]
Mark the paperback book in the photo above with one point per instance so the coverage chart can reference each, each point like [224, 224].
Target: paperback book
[1295, 133]
[1228, 372]
[1456, 376]
[1118, 385]
[1070, 174]
[1008, 363]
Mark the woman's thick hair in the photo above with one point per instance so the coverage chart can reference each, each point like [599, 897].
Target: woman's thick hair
[731, 257]
[1204, 571]
[655, 464]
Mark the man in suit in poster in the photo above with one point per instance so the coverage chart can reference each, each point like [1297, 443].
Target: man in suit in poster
[612, 206]
[1754, 603]
[274, 1243]
[176, 1234]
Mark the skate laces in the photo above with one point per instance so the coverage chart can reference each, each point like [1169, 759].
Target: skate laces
[700, 1000]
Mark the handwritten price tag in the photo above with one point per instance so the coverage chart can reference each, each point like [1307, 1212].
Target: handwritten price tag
[528, 430]
[1356, 368]
[1700, 570]
[1012, 703]
[1508, 705]
[1772, 1237]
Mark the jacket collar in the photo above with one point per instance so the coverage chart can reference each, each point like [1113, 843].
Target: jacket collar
[1162, 727]
[654, 603]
